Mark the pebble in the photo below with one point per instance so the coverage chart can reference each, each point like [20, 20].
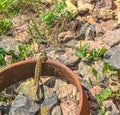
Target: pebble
[24, 105]
[68, 107]
[110, 108]
[69, 91]
[4, 108]
[112, 57]
[59, 83]
[90, 32]
[112, 38]
[84, 7]
[66, 56]
[48, 104]
[105, 4]
[56, 110]
[95, 90]
[7, 43]
[104, 26]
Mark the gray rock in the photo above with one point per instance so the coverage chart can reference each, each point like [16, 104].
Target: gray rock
[29, 88]
[50, 82]
[66, 56]
[104, 26]
[105, 4]
[4, 108]
[112, 57]
[47, 91]
[89, 1]
[51, 100]
[23, 105]
[71, 43]
[90, 32]
[112, 37]
[56, 111]
[59, 83]
[81, 34]
[103, 14]
[110, 108]
[48, 104]
[7, 43]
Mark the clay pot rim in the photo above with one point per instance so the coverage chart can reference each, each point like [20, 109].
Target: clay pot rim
[79, 87]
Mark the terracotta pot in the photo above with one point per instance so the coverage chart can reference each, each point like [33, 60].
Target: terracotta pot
[25, 69]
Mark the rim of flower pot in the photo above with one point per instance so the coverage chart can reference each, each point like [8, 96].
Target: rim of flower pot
[25, 69]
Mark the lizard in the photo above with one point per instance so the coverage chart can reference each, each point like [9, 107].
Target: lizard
[38, 71]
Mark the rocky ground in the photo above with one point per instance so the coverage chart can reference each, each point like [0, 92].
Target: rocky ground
[95, 23]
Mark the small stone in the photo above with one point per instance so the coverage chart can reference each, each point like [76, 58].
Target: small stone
[29, 88]
[71, 7]
[81, 33]
[69, 91]
[4, 108]
[90, 32]
[112, 37]
[105, 4]
[48, 104]
[84, 7]
[56, 111]
[95, 90]
[7, 43]
[110, 108]
[71, 43]
[90, 20]
[68, 107]
[66, 56]
[103, 27]
[65, 36]
[47, 91]
[23, 105]
[21, 33]
[59, 83]
[112, 57]
[8, 59]
[103, 14]
[114, 85]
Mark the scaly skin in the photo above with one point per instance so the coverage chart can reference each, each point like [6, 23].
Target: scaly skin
[38, 70]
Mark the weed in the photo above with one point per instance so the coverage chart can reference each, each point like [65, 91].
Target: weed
[58, 11]
[5, 25]
[2, 54]
[93, 55]
[2, 98]
[34, 31]
[4, 4]
[82, 52]
[107, 68]
[90, 81]
[95, 73]
[101, 111]
[105, 94]
[23, 53]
